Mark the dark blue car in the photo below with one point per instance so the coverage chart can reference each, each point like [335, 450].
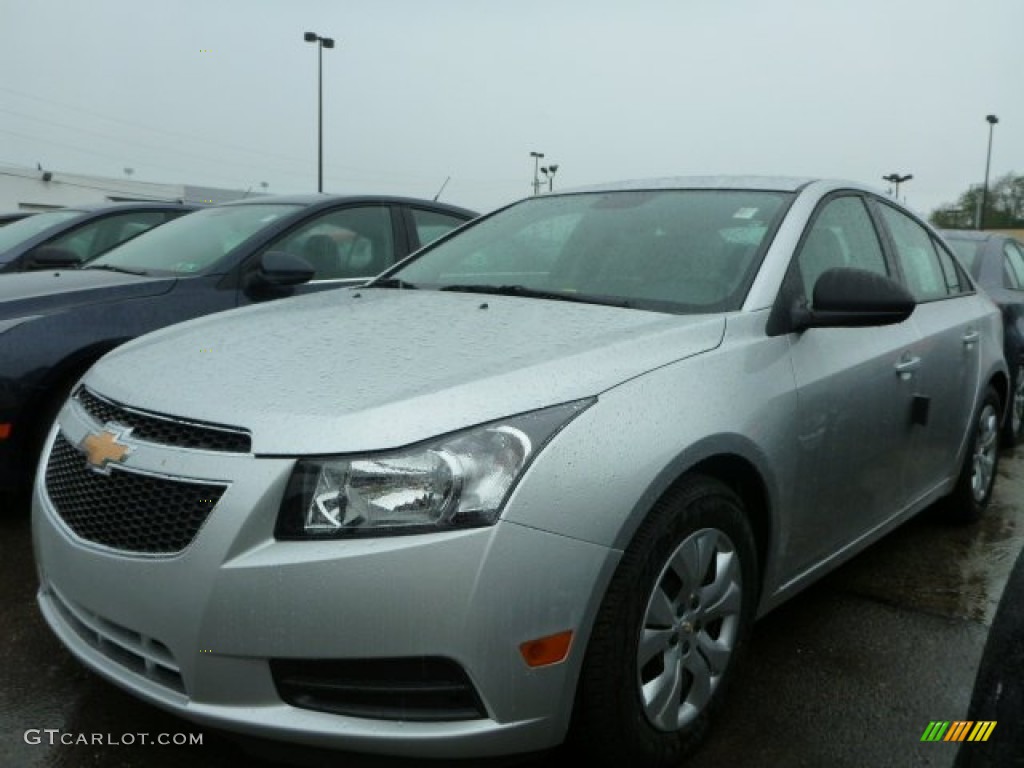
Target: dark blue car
[996, 261]
[55, 324]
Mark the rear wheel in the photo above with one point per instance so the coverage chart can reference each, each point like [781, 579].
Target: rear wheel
[1015, 418]
[670, 630]
[973, 489]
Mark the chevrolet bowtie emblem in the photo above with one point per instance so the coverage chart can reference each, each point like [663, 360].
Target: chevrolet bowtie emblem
[103, 448]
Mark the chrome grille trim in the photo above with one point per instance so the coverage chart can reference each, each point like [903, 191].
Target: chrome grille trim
[160, 429]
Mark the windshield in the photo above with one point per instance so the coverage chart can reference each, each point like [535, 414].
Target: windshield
[684, 251]
[19, 231]
[194, 242]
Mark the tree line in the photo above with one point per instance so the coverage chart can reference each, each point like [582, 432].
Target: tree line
[1004, 206]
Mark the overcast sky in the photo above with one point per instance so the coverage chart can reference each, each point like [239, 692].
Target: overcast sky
[224, 92]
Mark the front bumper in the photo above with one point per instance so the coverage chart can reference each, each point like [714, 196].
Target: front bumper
[195, 632]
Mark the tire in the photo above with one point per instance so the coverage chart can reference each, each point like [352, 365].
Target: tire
[1015, 416]
[670, 631]
[973, 489]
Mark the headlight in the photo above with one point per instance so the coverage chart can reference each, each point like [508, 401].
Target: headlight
[456, 481]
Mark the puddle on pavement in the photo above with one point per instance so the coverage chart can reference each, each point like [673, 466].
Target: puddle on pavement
[956, 572]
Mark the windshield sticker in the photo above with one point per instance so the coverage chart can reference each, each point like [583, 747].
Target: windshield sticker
[745, 213]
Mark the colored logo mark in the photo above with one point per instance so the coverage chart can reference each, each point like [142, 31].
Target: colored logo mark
[958, 730]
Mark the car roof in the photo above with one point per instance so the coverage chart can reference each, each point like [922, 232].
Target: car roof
[969, 234]
[127, 206]
[773, 183]
[318, 199]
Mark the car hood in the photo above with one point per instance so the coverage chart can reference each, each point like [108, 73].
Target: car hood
[345, 371]
[29, 293]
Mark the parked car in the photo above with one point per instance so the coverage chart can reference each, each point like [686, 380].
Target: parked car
[69, 237]
[55, 325]
[530, 486]
[9, 217]
[996, 262]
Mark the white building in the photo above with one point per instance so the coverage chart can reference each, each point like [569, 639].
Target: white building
[36, 189]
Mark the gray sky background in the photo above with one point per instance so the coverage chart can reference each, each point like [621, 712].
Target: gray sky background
[223, 92]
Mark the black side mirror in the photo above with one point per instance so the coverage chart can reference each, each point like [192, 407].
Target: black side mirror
[50, 257]
[280, 269]
[853, 298]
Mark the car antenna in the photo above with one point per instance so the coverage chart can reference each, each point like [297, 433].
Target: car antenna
[442, 188]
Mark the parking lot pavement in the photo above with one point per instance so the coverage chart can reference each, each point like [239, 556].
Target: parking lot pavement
[849, 673]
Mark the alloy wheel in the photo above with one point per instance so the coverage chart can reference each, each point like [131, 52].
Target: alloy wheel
[986, 444]
[690, 629]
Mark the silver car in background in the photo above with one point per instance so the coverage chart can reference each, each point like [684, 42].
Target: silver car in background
[531, 486]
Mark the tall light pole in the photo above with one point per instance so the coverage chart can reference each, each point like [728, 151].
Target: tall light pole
[549, 172]
[992, 120]
[536, 171]
[895, 179]
[321, 43]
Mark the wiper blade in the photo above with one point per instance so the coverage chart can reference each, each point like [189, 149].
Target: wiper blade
[535, 293]
[112, 268]
[391, 282]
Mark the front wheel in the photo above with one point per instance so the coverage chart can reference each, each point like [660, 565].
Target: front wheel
[670, 630]
[973, 489]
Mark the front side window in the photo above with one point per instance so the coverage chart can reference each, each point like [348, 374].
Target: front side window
[684, 251]
[343, 244]
[917, 257]
[842, 235]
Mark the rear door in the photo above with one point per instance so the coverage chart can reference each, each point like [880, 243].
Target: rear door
[949, 318]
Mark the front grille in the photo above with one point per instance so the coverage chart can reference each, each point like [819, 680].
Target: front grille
[165, 430]
[420, 689]
[142, 655]
[125, 510]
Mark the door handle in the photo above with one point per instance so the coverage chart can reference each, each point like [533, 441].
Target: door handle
[970, 337]
[905, 368]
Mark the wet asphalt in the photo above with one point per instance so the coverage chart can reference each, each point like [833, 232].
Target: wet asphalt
[848, 673]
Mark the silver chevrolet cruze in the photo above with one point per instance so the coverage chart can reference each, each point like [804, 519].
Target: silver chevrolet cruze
[530, 487]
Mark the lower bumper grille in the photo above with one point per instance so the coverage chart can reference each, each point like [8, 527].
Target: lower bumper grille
[417, 689]
[140, 654]
[124, 510]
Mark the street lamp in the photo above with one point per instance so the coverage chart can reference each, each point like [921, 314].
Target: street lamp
[322, 42]
[549, 174]
[992, 120]
[536, 168]
[896, 180]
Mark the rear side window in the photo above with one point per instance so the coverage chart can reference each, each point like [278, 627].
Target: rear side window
[1013, 259]
[919, 260]
[430, 225]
